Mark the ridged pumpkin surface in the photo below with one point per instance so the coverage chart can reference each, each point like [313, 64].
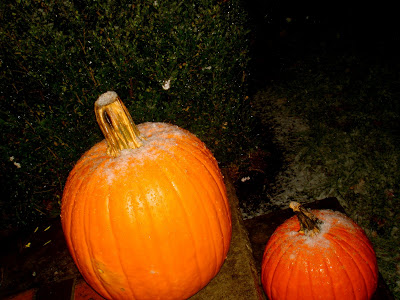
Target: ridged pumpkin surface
[337, 263]
[151, 223]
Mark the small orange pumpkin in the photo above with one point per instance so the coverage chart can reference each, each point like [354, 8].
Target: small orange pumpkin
[145, 212]
[319, 255]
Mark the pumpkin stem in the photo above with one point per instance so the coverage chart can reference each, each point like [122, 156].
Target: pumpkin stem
[310, 225]
[116, 124]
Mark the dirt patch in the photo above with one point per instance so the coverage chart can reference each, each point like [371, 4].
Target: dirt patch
[35, 258]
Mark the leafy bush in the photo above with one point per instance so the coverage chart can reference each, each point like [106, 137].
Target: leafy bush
[182, 62]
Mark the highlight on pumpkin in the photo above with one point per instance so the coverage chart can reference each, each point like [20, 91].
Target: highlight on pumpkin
[116, 124]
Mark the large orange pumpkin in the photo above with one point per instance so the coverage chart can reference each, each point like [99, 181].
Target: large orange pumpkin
[319, 255]
[145, 212]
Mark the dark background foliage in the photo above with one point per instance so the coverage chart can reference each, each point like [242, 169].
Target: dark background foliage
[57, 57]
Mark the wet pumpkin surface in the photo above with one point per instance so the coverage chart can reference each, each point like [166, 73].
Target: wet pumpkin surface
[262, 227]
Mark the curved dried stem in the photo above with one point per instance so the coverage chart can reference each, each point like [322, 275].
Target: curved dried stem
[116, 124]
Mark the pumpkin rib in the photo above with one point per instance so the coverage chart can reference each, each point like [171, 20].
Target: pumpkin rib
[98, 280]
[73, 212]
[204, 152]
[275, 265]
[199, 151]
[190, 151]
[72, 186]
[357, 249]
[314, 283]
[155, 239]
[366, 255]
[217, 216]
[88, 224]
[335, 238]
[212, 236]
[328, 275]
[114, 221]
[202, 203]
[289, 276]
[93, 154]
[214, 172]
[147, 212]
[356, 265]
[282, 260]
[115, 244]
[329, 262]
[222, 193]
[100, 167]
[271, 251]
[345, 272]
[72, 202]
[359, 235]
[189, 225]
[275, 242]
[158, 260]
[281, 256]
[322, 277]
[218, 179]
[309, 281]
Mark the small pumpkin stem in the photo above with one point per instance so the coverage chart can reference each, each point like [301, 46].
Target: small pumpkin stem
[310, 225]
[116, 124]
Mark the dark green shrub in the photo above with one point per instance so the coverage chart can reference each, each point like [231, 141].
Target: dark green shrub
[59, 56]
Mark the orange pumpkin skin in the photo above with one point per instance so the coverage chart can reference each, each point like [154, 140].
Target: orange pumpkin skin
[337, 263]
[151, 223]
